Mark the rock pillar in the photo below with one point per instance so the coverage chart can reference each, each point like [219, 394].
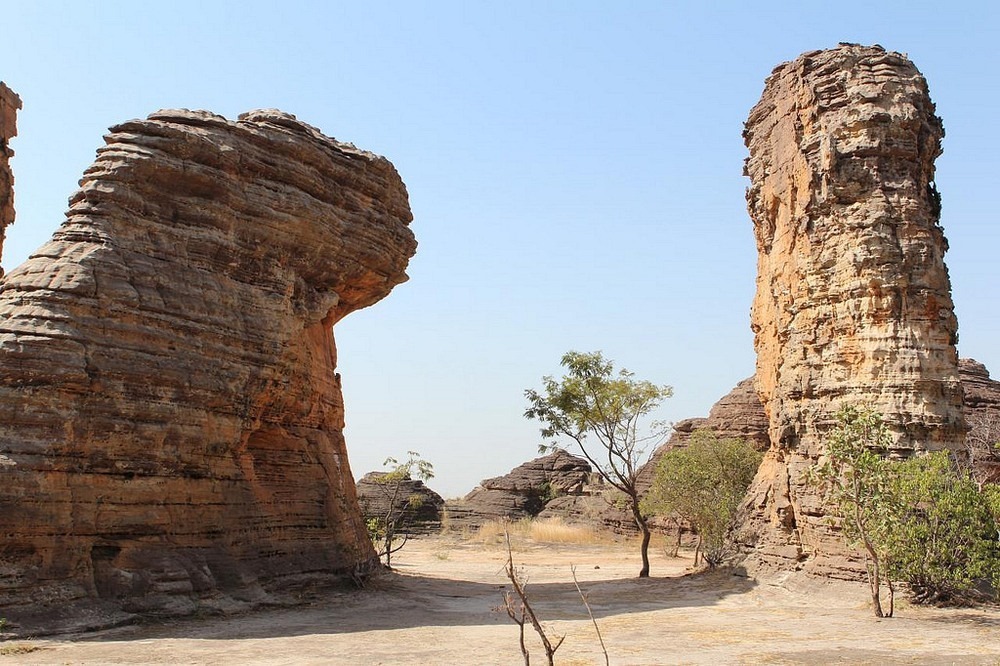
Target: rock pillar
[10, 103]
[853, 302]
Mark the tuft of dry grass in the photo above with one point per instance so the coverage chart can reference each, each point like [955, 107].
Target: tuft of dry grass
[550, 530]
[18, 648]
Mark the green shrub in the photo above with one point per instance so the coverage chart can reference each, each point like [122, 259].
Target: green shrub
[940, 532]
[703, 484]
[922, 521]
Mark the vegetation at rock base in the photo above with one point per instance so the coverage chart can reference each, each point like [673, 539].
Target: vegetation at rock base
[941, 532]
[603, 412]
[547, 530]
[703, 484]
[390, 531]
[923, 521]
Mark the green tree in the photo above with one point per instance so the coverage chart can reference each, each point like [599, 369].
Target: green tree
[391, 528]
[854, 474]
[703, 484]
[923, 521]
[605, 414]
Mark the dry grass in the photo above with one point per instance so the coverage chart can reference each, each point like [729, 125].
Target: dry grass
[550, 530]
[19, 648]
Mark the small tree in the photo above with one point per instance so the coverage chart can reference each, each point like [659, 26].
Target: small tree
[855, 478]
[603, 413]
[519, 609]
[703, 484]
[923, 521]
[390, 530]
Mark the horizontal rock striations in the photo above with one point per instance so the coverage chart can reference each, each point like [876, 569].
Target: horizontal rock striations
[10, 103]
[982, 414]
[171, 422]
[418, 508]
[853, 301]
[559, 479]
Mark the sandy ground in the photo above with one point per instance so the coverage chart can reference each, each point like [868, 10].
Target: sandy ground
[438, 609]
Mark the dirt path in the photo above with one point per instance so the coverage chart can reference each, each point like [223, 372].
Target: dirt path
[438, 610]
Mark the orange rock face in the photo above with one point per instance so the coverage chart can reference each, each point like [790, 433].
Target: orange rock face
[170, 416]
[853, 301]
[9, 105]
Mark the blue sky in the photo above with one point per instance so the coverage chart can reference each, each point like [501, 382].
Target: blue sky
[574, 170]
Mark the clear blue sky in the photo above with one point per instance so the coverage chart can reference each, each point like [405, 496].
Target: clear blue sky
[574, 170]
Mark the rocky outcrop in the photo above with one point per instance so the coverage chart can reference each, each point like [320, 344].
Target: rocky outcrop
[10, 103]
[171, 419]
[853, 301]
[738, 414]
[527, 490]
[420, 509]
[982, 414]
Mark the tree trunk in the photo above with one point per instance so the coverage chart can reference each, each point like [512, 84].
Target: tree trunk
[874, 580]
[644, 547]
[388, 547]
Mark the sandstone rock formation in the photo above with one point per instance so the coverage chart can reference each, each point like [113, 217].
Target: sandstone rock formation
[10, 103]
[420, 507]
[982, 414]
[171, 422]
[738, 414]
[527, 490]
[853, 299]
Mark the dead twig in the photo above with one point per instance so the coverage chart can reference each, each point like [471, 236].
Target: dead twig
[520, 610]
[586, 605]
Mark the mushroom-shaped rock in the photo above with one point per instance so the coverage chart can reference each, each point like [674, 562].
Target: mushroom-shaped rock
[171, 422]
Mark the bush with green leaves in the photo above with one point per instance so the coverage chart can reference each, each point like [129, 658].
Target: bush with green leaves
[939, 531]
[922, 521]
[854, 477]
[703, 484]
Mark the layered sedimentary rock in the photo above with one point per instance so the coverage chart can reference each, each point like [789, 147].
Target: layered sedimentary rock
[171, 421]
[853, 301]
[982, 414]
[420, 509]
[528, 490]
[738, 414]
[10, 103]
